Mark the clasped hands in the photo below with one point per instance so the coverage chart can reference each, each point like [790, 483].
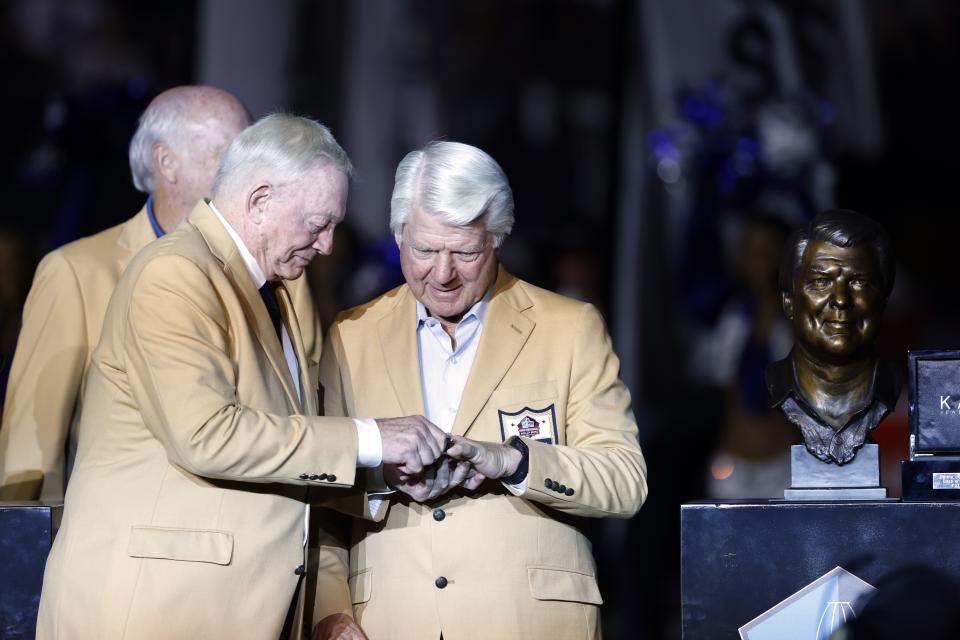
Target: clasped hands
[424, 462]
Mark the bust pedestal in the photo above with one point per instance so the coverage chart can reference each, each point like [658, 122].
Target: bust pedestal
[813, 479]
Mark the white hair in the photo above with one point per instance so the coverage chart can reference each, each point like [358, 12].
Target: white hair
[163, 121]
[279, 148]
[171, 119]
[457, 182]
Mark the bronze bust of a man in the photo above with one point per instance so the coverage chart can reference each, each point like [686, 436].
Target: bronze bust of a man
[836, 276]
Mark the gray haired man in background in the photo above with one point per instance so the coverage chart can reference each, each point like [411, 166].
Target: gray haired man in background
[173, 157]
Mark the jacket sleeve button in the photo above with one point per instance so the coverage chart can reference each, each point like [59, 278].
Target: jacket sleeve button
[304, 476]
[548, 483]
[331, 478]
[299, 570]
[441, 582]
[570, 491]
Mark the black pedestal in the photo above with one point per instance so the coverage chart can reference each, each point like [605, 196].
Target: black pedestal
[26, 533]
[739, 559]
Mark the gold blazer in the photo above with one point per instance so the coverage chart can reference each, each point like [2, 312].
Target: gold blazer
[185, 515]
[512, 567]
[62, 320]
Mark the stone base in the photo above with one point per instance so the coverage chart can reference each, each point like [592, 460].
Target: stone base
[814, 479]
[871, 493]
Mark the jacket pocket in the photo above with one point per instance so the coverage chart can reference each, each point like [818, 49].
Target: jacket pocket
[361, 584]
[190, 545]
[561, 584]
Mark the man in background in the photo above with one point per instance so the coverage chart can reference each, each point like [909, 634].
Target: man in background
[173, 157]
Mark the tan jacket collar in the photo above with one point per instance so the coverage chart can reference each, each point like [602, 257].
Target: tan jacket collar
[137, 232]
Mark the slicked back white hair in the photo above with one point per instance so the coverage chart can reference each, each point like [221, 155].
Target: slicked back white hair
[457, 182]
[278, 148]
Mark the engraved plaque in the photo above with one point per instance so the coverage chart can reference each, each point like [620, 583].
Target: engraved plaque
[946, 480]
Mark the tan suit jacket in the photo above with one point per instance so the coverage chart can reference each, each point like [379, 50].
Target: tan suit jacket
[185, 513]
[515, 567]
[62, 320]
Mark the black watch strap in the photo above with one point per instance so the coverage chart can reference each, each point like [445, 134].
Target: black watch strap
[520, 474]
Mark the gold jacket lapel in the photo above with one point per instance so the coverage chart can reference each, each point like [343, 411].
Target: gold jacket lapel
[398, 340]
[505, 331]
[308, 403]
[223, 247]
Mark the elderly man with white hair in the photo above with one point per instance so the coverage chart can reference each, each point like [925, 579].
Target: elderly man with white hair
[525, 382]
[200, 445]
[173, 157]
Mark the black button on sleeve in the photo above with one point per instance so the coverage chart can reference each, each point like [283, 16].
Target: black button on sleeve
[548, 483]
[331, 478]
[441, 582]
[555, 485]
[314, 477]
[304, 476]
[322, 476]
[569, 491]
[439, 514]
[562, 488]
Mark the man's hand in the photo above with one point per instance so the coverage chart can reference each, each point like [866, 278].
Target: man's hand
[435, 480]
[411, 443]
[488, 459]
[338, 626]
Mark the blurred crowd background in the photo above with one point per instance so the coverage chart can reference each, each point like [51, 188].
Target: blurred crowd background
[659, 152]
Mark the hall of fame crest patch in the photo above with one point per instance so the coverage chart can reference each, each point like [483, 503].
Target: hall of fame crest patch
[537, 424]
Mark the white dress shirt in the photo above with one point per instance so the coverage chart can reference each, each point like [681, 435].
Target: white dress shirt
[443, 369]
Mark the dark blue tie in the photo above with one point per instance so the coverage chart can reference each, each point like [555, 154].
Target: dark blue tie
[269, 294]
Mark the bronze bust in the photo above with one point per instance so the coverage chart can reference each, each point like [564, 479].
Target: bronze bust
[836, 276]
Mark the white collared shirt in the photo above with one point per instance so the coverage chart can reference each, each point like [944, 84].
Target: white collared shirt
[444, 370]
[369, 443]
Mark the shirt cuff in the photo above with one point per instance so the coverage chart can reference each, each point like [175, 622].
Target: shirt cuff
[377, 491]
[369, 444]
[517, 489]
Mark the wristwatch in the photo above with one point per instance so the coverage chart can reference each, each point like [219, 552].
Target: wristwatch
[520, 474]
